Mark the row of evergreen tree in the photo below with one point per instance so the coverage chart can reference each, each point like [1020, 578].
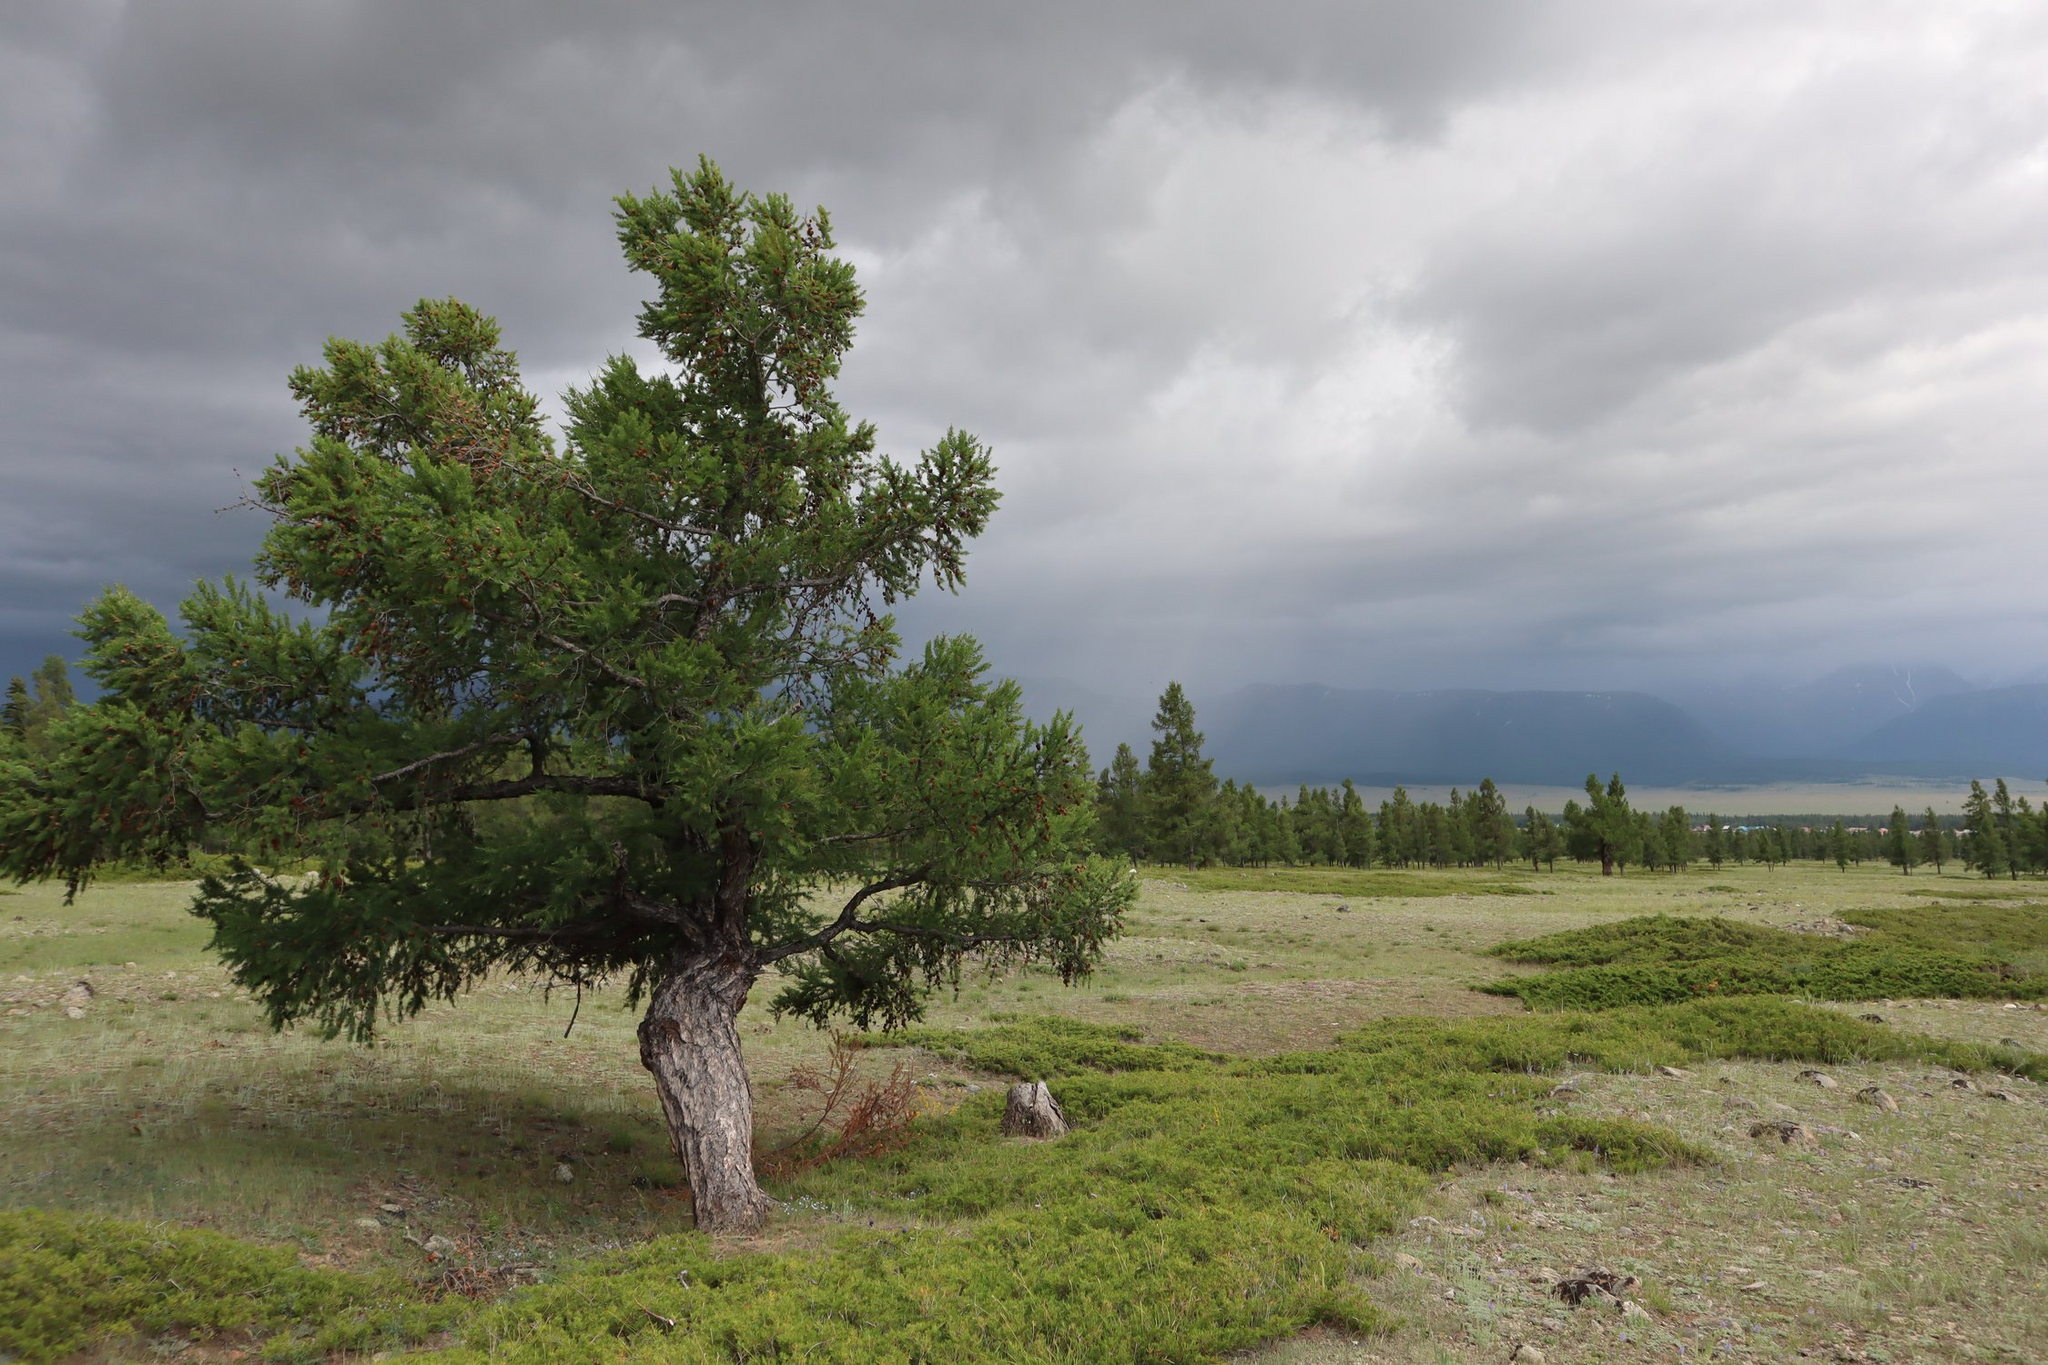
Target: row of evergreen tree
[1173, 809]
[32, 703]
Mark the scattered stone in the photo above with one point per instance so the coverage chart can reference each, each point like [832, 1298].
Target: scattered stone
[1564, 1091]
[369, 1225]
[1676, 1073]
[1789, 1133]
[1525, 1354]
[1032, 1112]
[1875, 1096]
[1631, 1309]
[79, 996]
[1820, 1078]
[1407, 1262]
[437, 1245]
[564, 1173]
[1738, 1104]
[396, 1210]
[74, 1012]
[1754, 1286]
[1543, 1274]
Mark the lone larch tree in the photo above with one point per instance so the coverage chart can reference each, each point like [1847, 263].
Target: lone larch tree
[625, 707]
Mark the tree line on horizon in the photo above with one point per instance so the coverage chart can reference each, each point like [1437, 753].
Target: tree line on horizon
[1174, 809]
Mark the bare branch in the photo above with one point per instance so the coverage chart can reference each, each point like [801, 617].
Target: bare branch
[848, 917]
[519, 935]
[445, 754]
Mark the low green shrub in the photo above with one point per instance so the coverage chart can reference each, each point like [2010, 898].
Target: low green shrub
[68, 1281]
[1201, 1205]
[1033, 1049]
[2004, 931]
[1664, 959]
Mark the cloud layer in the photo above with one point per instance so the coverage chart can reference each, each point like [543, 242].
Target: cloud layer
[1406, 344]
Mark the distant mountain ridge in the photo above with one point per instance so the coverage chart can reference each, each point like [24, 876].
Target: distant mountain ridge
[1858, 721]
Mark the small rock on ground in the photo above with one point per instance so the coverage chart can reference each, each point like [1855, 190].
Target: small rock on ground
[1875, 1095]
[1820, 1078]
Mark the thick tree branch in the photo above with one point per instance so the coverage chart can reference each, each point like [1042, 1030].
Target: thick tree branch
[951, 940]
[568, 784]
[446, 754]
[519, 935]
[848, 917]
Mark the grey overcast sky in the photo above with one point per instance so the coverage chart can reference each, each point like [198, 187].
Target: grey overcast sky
[1410, 344]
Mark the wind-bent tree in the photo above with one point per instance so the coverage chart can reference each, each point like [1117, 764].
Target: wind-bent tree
[619, 709]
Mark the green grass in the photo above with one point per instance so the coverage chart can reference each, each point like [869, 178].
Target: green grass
[1361, 883]
[1664, 959]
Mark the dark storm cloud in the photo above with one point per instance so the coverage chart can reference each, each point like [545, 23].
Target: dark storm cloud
[1421, 343]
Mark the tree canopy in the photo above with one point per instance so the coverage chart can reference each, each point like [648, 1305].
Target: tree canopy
[625, 707]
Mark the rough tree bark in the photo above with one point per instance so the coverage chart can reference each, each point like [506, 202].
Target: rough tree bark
[690, 1042]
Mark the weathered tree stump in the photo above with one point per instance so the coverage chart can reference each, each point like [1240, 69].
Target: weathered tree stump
[1032, 1112]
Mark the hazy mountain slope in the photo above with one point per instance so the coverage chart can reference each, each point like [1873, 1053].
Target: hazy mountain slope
[1819, 717]
[1278, 734]
[1105, 720]
[2001, 730]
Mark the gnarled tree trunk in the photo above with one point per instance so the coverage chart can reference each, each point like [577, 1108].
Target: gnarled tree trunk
[690, 1041]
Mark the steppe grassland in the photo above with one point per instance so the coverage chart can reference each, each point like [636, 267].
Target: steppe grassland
[170, 1099]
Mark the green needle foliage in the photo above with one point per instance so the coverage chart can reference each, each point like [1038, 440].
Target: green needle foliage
[623, 707]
